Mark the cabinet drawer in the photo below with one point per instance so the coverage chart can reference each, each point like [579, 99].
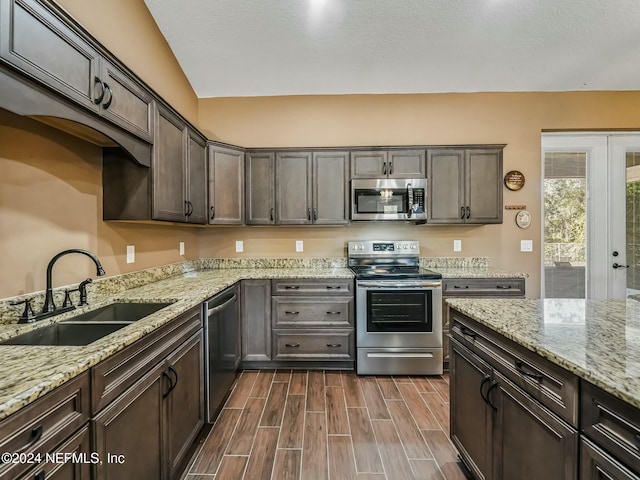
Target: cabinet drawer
[117, 373]
[492, 287]
[554, 387]
[596, 464]
[313, 345]
[42, 425]
[611, 423]
[314, 312]
[324, 286]
[61, 467]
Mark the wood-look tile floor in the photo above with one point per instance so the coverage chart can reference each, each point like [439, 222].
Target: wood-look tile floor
[308, 425]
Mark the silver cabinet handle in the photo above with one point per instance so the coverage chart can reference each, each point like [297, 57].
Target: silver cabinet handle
[334, 345]
[291, 313]
[292, 345]
[334, 313]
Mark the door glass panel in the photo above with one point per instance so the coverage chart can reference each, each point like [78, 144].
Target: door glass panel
[565, 224]
[633, 223]
[399, 311]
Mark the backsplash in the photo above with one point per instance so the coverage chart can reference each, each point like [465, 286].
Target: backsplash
[103, 288]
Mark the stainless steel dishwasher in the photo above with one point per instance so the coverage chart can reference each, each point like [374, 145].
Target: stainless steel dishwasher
[222, 348]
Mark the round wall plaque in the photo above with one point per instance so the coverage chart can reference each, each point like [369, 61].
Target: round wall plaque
[514, 180]
[523, 219]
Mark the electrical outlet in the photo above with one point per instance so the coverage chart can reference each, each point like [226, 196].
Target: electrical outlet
[299, 246]
[131, 253]
[239, 246]
[526, 245]
[457, 245]
[181, 248]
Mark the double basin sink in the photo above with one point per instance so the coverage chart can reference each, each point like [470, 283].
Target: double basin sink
[88, 327]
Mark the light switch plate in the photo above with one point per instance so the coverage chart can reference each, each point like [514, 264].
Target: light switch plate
[181, 248]
[526, 245]
[299, 246]
[239, 246]
[457, 245]
[131, 253]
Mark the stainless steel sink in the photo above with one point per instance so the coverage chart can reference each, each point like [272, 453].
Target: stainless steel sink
[120, 312]
[67, 333]
[88, 327]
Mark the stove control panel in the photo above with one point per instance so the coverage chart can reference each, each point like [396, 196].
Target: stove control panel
[382, 247]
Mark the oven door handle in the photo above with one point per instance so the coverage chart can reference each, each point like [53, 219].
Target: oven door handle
[405, 285]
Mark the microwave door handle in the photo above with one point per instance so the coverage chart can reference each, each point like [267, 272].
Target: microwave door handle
[409, 200]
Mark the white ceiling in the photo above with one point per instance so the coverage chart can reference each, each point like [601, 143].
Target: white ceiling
[295, 47]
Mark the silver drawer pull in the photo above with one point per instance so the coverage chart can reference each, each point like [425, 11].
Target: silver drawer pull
[329, 287]
[468, 332]
[526, 370]
[399, 355]
[292, 345]
[334, 345]
[503, 287]
[291, 313]
[291, 287]
[334, 313]
[461, 286]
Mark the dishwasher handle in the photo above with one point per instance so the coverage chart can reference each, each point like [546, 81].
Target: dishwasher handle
[222, 306]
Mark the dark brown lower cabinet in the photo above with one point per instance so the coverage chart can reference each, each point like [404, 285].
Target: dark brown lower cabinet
[70, 461]
[500, 431]
[596, 464]
[147, 431]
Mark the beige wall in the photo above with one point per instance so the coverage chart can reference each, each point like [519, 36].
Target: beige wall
[51, 200]
[516, 119]
[127, 29]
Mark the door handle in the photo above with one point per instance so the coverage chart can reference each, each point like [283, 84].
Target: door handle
[309, 214]
[41, 475]
[166, 375]
[491, 387]
[107, 104]
[186, 208]
[173, 370]
[213, 212]
[526, 370]
[462, 213]
[384, 168]
[482, 384]
[617, 265]
[190, 208]
[468, 212]
[271, 214]
[97, 82]
[467, 332]
[391, 167]
[315, 214]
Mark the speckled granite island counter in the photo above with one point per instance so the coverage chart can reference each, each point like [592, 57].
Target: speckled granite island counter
[597, 340]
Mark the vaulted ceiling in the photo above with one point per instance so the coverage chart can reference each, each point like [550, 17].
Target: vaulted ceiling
[296, 47]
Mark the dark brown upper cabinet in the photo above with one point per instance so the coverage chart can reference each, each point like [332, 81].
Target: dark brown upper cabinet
[465, 185]
[38, 43]
[226, 186]
[260, 187]
[312, 188]
[400, 163]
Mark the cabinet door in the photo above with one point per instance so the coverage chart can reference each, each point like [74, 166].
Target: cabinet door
[407, 164]
[484, 186]
[226, 186]
[255, 312]
[126, 103]
[529, 441]
[196, 178]
[36, 42]
[131, 426]
[168, 168]
[596, 464]
[260, 184]
[369, 164]
[331, 188]
[184, 406]
[471, 422]
[445, 180]
[293, 188]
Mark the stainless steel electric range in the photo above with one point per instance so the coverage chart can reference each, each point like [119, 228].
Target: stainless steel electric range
[398, 309]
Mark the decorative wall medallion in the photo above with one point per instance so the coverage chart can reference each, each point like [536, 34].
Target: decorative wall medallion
[523, 219]
[514, 180]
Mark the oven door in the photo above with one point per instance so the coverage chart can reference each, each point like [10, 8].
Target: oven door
[392, 313]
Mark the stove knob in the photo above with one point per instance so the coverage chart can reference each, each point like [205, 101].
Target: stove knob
[413, 246]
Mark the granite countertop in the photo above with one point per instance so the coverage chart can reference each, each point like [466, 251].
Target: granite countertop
[598, 340]
[29, 372]
[475, 272]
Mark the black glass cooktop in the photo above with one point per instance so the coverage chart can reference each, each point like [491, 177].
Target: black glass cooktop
[393, 272]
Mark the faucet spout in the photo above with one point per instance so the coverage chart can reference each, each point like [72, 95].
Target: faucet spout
[49, 305]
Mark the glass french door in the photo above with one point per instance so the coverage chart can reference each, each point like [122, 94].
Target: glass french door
[591, 214]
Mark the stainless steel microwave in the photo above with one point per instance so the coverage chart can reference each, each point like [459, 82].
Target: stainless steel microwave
[389, 199]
